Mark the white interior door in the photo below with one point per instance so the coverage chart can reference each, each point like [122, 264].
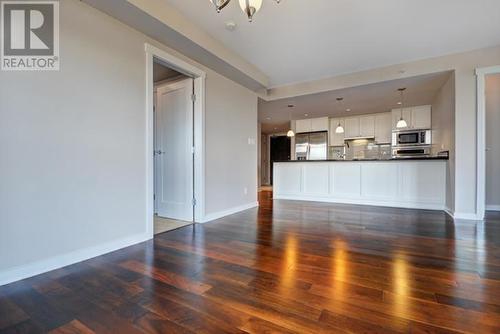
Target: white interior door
[173, 150]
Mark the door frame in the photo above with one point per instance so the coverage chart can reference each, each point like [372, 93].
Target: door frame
[481, 74]
[199, 77]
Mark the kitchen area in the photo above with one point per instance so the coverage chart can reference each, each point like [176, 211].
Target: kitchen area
[394, 158]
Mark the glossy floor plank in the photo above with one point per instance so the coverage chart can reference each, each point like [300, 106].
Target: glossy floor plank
[287, 267]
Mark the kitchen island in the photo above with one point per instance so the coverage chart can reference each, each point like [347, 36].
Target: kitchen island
[418, 183]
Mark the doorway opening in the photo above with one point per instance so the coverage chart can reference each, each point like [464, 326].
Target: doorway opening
[488, 138]
[280, 150]
[174, 142]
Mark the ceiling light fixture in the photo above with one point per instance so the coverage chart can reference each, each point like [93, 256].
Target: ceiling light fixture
[340, 128]
[231, 26]
[401, 123]
[249, 7]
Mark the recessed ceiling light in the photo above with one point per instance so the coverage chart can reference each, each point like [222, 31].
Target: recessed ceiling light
[306, 115]
[348, 110]
[400, 103]
[275, 128]
[268, 118]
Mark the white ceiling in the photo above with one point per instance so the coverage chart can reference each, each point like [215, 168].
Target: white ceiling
[375, 98]
[303, 40]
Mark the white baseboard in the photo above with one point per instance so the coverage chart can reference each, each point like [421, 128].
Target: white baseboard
[450, 212]
[56, 262]
[466, 216]
[220, 214]
[492, 207]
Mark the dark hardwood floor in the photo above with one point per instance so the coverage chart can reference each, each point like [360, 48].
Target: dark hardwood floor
[288, 267]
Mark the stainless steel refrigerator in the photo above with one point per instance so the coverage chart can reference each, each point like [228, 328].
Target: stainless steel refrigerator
[311, 146]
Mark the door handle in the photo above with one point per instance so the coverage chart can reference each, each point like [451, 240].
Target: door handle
[159, 152]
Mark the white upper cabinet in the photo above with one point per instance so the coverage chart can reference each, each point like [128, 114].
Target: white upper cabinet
[303, 125]
[383, 128]
[360, 127]
[312, 125]
[351, 127]
[367, 126]
[419, 117]
[319, 124]
[336, 139]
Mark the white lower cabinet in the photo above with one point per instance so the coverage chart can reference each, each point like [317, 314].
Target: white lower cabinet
[406, 184]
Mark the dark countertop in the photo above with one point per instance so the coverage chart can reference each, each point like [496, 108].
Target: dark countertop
[371, 160]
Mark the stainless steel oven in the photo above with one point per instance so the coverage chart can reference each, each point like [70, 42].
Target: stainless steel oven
[405, 152]
[411, 138]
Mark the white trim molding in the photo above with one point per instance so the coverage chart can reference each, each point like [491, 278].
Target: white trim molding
[153, 53]
[481, 74]
[493, 207]
[461, 215]
[466, 216]
[220, 214]
[56, 262]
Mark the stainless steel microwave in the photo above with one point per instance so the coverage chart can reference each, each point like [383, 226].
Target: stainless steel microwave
[411, 138]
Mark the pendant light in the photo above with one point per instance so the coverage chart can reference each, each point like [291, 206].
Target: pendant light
[219, 4]
[402, 123]
[290, 132]
[340, 128]
[250, 7]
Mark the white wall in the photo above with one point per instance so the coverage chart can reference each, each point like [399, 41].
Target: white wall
[231, 162]
[72, 147]
[493, 142]
[443, 132]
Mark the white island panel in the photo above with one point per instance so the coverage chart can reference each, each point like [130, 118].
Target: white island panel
[316, 179]
[346, 180]
[379, 180]
[419, 184]
[289, 177]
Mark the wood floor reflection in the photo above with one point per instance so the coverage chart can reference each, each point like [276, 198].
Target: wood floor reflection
[287, 267]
